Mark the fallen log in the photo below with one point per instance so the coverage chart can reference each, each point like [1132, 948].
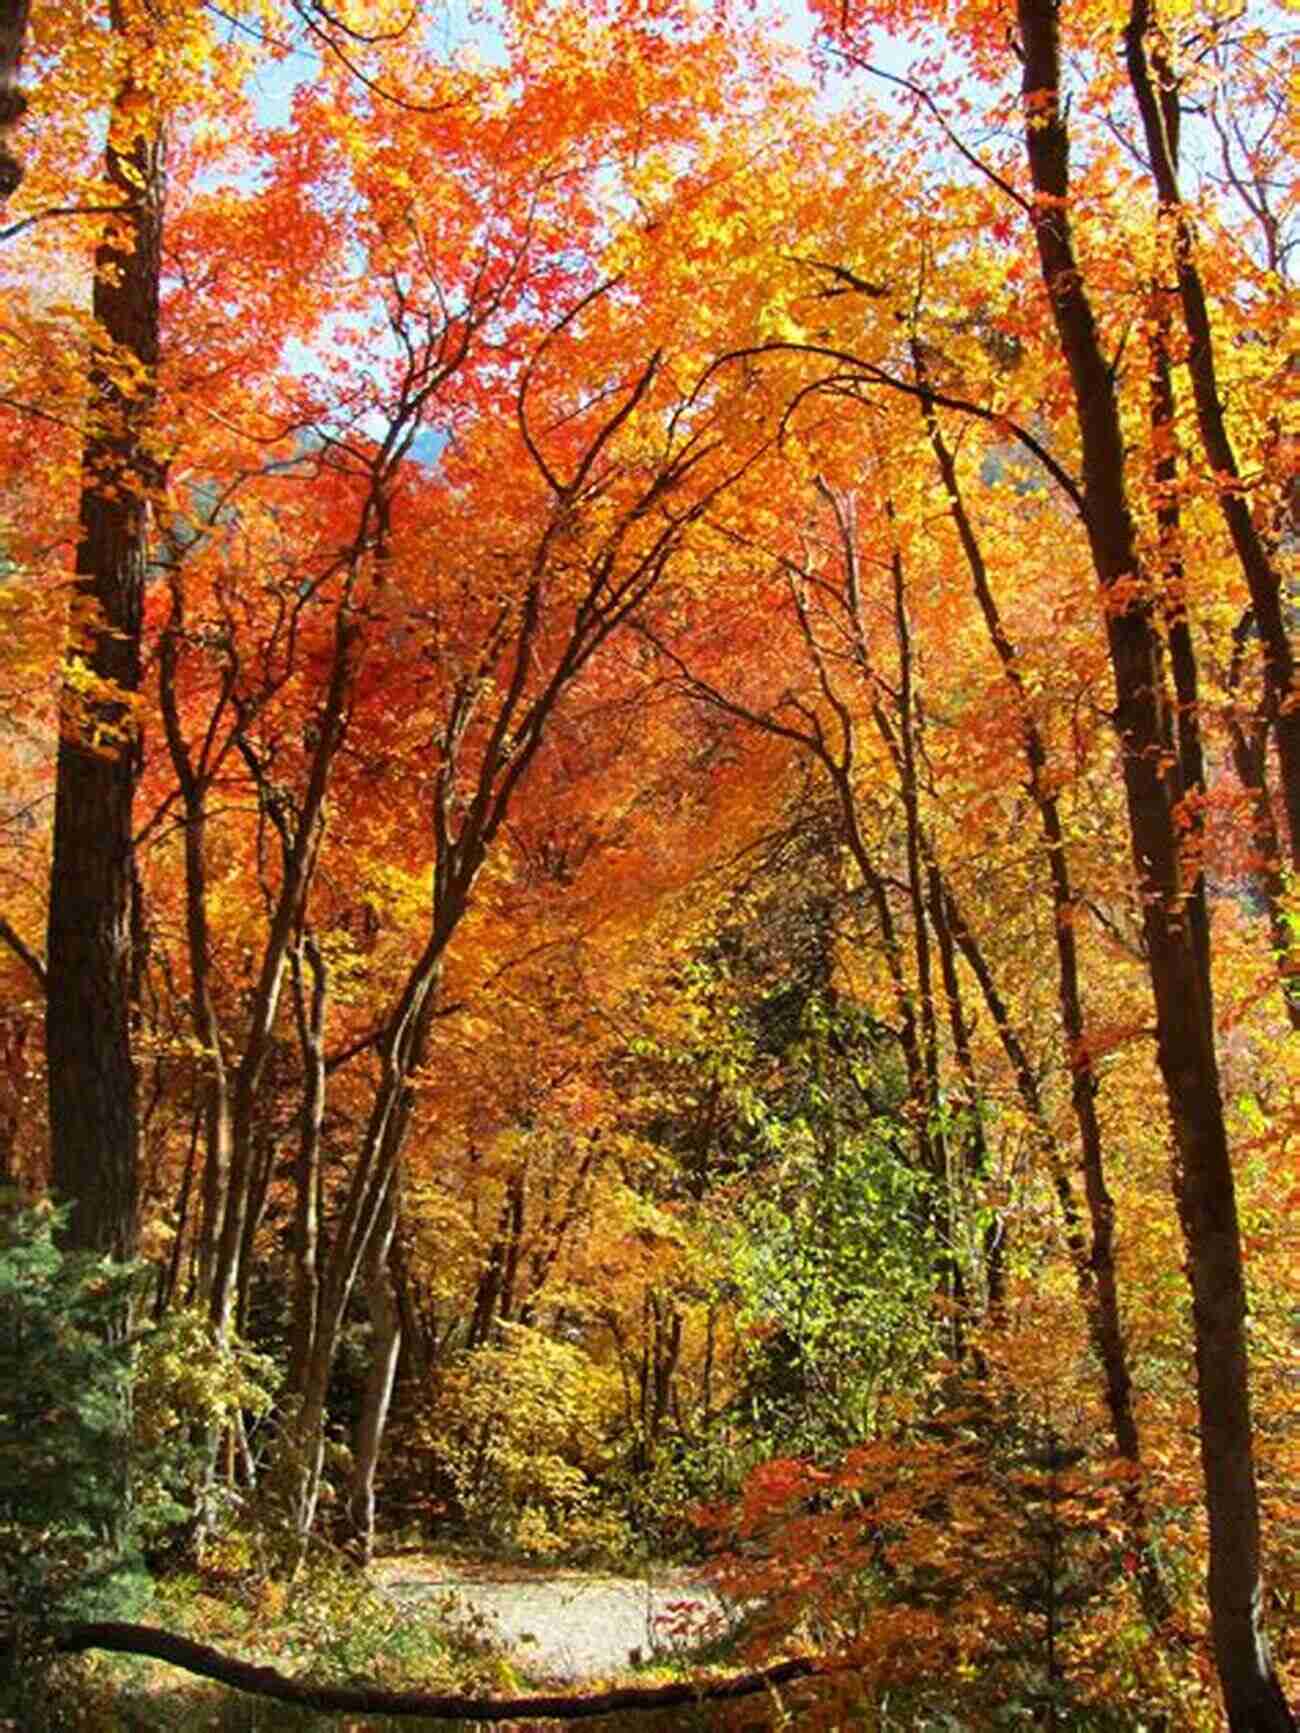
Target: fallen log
[209, 1663]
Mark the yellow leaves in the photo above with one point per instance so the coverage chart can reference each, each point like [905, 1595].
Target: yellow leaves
[777, 325]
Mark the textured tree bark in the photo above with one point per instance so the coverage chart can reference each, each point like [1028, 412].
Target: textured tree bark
[1178, 628]
[94, 1132]
[14, 16]
[1185, 1048]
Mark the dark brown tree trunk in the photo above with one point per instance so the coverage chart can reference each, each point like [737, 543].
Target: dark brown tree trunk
[1185, 1050]
[1187, 742]
[1097, 1278]
[14, 16]
[370, 1700]
[94, 1130]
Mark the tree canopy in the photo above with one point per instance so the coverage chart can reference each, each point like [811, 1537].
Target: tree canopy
[650, 801]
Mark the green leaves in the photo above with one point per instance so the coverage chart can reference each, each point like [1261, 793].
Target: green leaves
[64, 1425]
[835, 1263]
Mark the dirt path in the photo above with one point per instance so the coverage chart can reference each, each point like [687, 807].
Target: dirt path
[566, 1624]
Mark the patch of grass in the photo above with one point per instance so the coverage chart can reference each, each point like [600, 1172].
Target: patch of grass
[331, 1626]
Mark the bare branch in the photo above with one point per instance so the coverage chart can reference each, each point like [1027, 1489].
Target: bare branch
[23, 951]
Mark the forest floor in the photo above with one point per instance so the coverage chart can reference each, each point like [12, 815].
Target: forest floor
[562, 1624]
[427, 1621]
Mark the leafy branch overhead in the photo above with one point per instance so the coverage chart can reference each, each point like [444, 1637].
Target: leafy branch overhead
[649, 803]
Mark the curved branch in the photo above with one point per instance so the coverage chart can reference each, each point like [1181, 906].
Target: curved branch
[926, 393]
[8, 233]
[209, 1663]
[924, 97]
[526, 379]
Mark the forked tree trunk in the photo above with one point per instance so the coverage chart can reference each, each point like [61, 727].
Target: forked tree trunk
[1156, 95]
[1185, 1048]
[94, 1132]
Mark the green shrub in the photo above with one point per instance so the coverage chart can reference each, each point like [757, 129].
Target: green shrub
[187, 1388]
[524, 1431]
[66, 1542]
[65, 1528]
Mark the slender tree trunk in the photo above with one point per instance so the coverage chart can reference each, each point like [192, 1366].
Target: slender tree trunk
[363, 1210]
[839, 767]
[1178, 626]
[264, 1154]
[169, 1274]
[973, 1143]
[487, 1294]
[301, 852]
[910, 794]
[310, 1014]
[905, 756]
[1023, 1072]
[1188, 1062]
[517, 1197]
[1099, 1288]
[1156, 95]
[94, 1130]
[385, 1350]
[193, 784]
[1250, 761]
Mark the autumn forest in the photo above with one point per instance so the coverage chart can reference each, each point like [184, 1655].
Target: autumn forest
[649, 840]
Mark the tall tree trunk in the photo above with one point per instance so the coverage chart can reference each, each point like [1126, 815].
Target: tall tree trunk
[363, 1212]
[1249, 738]
[972, 1144]
[301, 851]
[309, 1010]
[1185, 1049]
[194, 783]
[839, 768]
[385, 1350]
[1156, 94]
[944, 1204]
[1098, 1284]
[94, 1129]
[1187, 740]
[14, 16]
